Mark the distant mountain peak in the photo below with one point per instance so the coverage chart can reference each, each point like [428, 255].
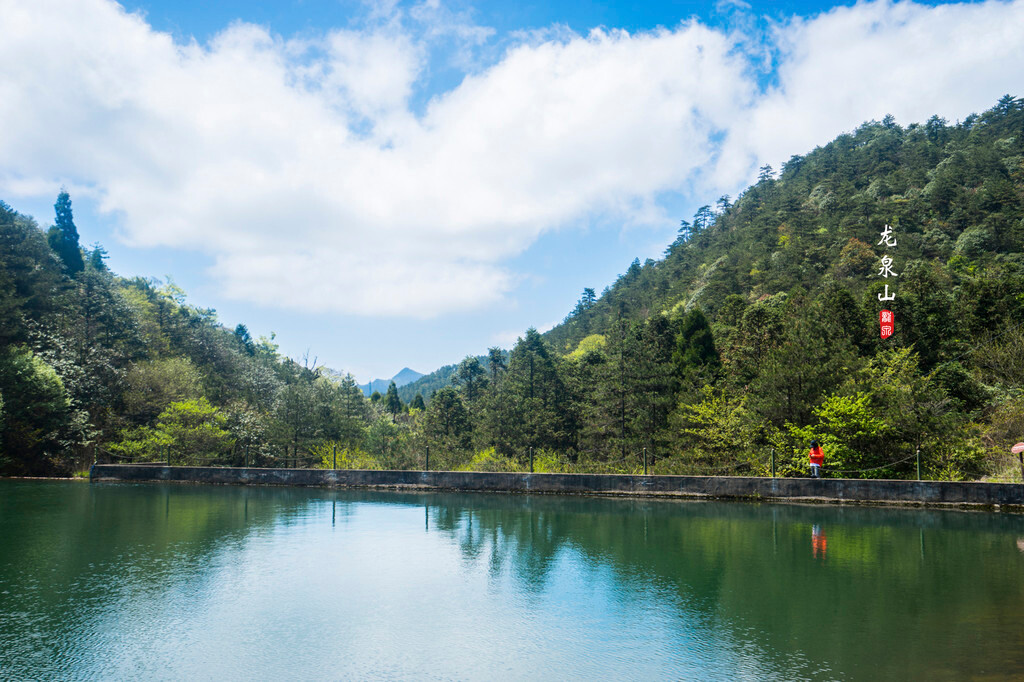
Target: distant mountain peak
[405, 376]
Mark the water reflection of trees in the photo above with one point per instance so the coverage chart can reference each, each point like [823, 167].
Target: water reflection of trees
[915, 585]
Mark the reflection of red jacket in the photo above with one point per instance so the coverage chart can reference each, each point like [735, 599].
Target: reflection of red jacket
[817, 456]
[819, 543]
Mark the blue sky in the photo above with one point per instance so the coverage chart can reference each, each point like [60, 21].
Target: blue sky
[396, 184]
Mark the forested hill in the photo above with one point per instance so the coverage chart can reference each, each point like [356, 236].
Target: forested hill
[757, 332]
[952, 194]
[760, 328]
[93, 365]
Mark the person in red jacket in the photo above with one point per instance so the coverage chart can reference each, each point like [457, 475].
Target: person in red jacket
[817, 459]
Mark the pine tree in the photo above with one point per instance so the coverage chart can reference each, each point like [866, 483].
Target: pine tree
[96, 258]
[245, 339]
[392, 403]
[685, 230]
[352, 410]
[63, 236]
[496, 360]
[446, 425]
[653, 388]
[472, 376]
[695, 347]
[703, 218]
[695, 361]
[537, 395]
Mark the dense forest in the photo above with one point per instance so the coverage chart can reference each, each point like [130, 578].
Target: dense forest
[757, 331]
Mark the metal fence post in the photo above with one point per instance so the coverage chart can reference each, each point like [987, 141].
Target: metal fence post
[773, 462]
[918, 464]
[531, 460]
[426, 467]
[645, 461]
[334, 451]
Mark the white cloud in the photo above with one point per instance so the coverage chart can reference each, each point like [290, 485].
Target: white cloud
[301, 168]
[859, 63]
[508, 338]
[731, 5]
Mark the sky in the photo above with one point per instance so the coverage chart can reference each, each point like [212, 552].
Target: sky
[385, 184]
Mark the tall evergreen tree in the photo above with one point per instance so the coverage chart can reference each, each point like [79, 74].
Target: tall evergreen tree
[703, 218]
[244, 339]
[447, 424]
[695, 347]
[96, 258]
[472, 377]
[353, 409]
[685, 230]
[392, 403]
[538, 395]
[653, 389]
[496, 360]
[63, 236]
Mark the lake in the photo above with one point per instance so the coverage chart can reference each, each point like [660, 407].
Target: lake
[148, 581]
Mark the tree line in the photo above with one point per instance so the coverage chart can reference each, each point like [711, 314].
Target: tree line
[759, 329]
[757, 332]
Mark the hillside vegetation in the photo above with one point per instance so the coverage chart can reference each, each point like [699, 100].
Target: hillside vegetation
[758, 331]
[95, 366]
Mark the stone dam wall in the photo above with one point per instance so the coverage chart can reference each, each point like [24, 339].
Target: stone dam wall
[738, 487]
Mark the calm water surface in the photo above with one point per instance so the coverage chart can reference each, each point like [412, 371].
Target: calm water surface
[120, 581]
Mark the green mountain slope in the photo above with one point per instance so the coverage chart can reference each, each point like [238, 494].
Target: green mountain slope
[951, 193]
[757, 332]
[760, 330]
